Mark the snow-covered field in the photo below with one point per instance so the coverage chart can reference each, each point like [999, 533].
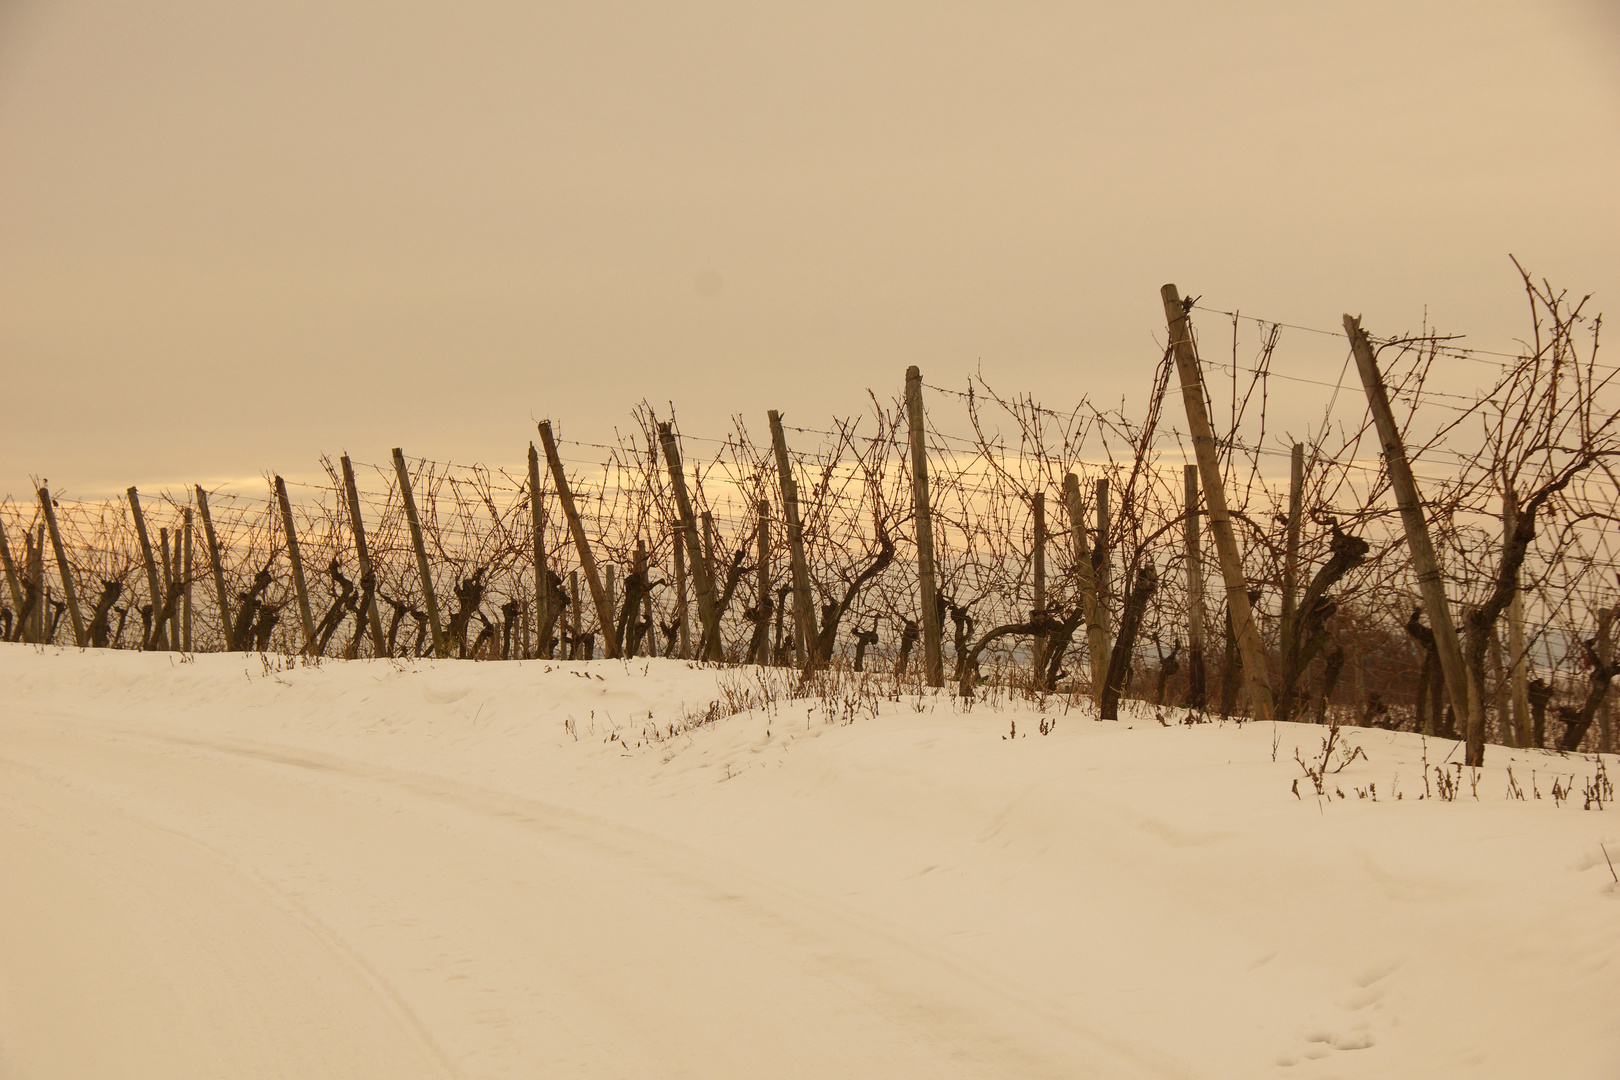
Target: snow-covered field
[229, 867]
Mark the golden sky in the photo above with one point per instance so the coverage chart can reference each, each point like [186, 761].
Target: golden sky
[236, 236]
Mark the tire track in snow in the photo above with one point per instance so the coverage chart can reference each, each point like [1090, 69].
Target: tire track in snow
[935, 1006]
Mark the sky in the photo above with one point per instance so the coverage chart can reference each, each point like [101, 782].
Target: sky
[235, 237]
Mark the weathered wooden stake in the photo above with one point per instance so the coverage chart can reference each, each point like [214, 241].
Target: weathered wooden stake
[710, 644]
[587, 561]
[297, 562]
[1197, 688]
[804, 609]
[576, 615]
[357, 525]
[1296, 499]
[13, 583]
[542, 572]
[217, 567]
[1038, 512]
[185, 585]
[37, 572]
[1256, 677]
[1105, 566]
[430, 602]
[1424, 562]
[762, 591]
[685, 643]
[933, 660]
[69, 593]
[649, 637]
[152, 585]
[1518, 662]
[1096, 624]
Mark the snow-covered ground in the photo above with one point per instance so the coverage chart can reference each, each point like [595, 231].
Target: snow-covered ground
[232, 867]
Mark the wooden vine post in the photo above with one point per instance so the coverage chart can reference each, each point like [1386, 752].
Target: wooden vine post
[293, 557]
[1197, 690]
[681, 616]
[152, 584]
[804, 611]
[762, 591]
[36, 574]
[357, 525]
[13, 583]
[933, 661]
[218, 568]
[1256, 678]
[1038, 558]
[430, 602]
[542, 573]
[170, 616]
[1105, 569]
[1096, 625]
[587, 562]
[574, 648]
[710, 644]
[1464, 697]
[1518, 663]
[1296, 499]
[648, 637]
[185, 583]
[69, 593]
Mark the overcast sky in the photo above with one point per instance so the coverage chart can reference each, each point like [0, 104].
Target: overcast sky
[234, 237]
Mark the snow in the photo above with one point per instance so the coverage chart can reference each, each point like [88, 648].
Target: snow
[247, 867]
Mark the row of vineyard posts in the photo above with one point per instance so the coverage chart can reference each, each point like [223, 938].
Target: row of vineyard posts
[592, 609]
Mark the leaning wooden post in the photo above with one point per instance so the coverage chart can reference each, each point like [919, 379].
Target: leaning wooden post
[933, 661]
[804, 611]
[681, 617]
[1197, 690]
[429, 601]
[297, 562]
[185, 585]
[1424, 562]
[1256, 677]
[1038, 558]
[542, 573]
[150, 560]
[217, 567]
[587, 561]
[1290, 582]
[1518, 663]
[69, 593]
[357, 525]
[694, 555]
[13, 583]
[1096, 626]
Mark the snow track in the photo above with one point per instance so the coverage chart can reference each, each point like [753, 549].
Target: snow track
[357, 899]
